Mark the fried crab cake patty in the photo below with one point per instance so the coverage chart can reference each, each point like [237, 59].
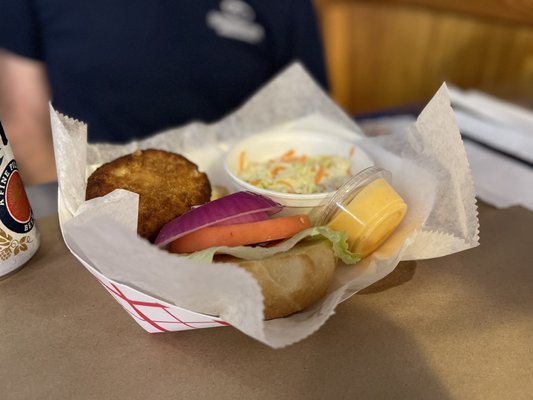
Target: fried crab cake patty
[167, 183]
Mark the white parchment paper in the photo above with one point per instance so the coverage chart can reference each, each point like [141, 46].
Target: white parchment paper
[428, 164]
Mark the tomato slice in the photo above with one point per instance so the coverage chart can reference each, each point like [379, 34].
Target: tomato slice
[241, 234]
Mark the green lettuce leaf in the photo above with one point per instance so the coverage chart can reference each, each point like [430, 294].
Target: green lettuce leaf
[338, 240]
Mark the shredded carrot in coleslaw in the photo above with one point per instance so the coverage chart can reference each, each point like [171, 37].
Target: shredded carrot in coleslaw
[242, 160]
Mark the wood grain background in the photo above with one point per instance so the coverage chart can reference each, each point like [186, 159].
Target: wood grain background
[389, 53]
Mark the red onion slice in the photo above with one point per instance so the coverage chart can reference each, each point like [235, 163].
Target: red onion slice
[236, 208]
[242, 219]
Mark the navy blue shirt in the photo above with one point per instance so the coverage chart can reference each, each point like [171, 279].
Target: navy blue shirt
[130, 68]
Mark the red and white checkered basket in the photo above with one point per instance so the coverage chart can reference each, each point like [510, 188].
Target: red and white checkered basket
[151, 314]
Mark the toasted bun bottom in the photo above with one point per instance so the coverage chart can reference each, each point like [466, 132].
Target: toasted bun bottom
[293, 280]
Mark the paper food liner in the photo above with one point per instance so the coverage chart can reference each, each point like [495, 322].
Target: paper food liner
[166, 292]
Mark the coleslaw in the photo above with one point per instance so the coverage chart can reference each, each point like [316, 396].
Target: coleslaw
[296, 173]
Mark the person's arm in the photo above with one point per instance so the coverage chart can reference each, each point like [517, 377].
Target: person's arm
[24, 114]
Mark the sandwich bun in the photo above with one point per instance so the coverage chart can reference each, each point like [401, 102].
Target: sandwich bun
[293, 280]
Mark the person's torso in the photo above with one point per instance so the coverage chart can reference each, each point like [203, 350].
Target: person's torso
[131, 68]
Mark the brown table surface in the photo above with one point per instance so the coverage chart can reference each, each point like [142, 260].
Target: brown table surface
[457, 327]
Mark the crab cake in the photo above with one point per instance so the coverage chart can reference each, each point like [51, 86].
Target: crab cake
[167, 183]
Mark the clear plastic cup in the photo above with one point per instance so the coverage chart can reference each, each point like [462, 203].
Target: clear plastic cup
[366, 207]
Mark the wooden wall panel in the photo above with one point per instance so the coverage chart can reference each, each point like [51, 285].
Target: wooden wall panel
[338, 37]
[520, 11]
[383, 55]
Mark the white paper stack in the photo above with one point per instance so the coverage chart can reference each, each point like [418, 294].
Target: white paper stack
[499, 146]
